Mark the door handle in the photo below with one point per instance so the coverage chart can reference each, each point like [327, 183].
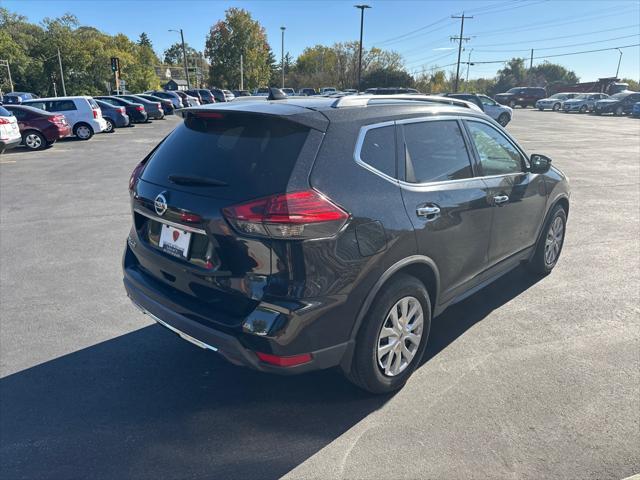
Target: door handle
[430, 212]
[498, 199]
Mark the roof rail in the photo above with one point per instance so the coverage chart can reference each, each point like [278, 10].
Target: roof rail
[363, 100]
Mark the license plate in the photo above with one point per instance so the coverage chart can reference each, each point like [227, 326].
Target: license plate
[174, 241]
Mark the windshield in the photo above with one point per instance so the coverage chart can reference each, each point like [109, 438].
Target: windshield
[582, 96]
[559, 95]
[253, 155]
[514, 90]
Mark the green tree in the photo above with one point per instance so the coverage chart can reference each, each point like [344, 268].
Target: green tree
[633, 84]
[145, 41]
[238, 34]
[173, 54]
[513, 74]
[386, 77]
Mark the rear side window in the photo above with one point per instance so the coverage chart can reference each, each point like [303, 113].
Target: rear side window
[435, 151]
[93, 103]
[39, 105]
[379, 149]
[5, 113]
[253, 155]
[62, 106]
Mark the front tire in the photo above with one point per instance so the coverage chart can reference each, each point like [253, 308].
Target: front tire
[556, 107]
[584, 109]
[550, 243]
[393, 337]
[619, 111]
[34, 140]
[82, 131]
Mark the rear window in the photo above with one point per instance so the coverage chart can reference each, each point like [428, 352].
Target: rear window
[254, 155]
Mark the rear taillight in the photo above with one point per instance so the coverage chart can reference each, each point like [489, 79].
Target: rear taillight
[135, 175]
[159, 105]
[121, 110]
[4, 121]
[58, 120]
[95, 113]
[296, 215]
[140, 108]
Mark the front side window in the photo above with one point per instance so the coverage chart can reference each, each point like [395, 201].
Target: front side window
[498, 156]
[379, 149]
[486, 100]
[435, 151]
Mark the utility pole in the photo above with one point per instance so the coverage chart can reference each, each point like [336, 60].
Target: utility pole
[5, 63]
[531, 61]
[362, 9]
[184, 57]
[53, 82]
[619, 60]
[282, 54]
[459, 39]
[64, 90]
[241, 73]
[468, 64]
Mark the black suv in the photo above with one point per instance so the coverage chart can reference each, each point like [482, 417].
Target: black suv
[301, 234]
[521, 96]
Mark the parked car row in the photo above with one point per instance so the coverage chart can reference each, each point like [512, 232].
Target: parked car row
[599, 103]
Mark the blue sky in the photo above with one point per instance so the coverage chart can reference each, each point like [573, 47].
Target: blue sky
[419, 30]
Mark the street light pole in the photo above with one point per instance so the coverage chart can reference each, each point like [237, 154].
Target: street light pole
[619, 60]
[241, 72]
[468, 63]
[362, 8]
[282, 54]
[184, 57]
[64, 90]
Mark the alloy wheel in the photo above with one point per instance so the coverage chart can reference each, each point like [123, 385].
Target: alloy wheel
[553, 242]
[33, 141]
[400, 336]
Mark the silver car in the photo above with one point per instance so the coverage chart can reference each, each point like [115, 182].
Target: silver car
[583, 103]
[554, 102]
[500, 113]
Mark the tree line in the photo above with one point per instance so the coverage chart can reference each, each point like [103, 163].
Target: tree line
[32, 51]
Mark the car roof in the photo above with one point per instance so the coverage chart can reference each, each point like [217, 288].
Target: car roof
[27, 108]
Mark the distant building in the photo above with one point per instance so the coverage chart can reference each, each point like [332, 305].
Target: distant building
[175, 85]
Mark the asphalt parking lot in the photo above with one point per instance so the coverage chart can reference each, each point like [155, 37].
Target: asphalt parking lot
[529, 378]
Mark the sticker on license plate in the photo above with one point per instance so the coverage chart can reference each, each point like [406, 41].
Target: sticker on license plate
[174, 241]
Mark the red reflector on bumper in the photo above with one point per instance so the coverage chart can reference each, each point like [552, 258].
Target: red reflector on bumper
[284, 361]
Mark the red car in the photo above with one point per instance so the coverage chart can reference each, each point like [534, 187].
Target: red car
[39, 128]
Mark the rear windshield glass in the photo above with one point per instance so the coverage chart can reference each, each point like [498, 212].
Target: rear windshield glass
[254, 155]
[4, 112]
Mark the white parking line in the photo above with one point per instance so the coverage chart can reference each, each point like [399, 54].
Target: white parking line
[7, 161]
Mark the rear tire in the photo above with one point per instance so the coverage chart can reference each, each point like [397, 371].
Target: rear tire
[33, 140]
[556, 107]
[82, 131]
[512, 104]
[110, 126]
[584, 109]
[379, 330]
[550, 243]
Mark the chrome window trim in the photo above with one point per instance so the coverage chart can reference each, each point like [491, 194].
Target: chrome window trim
[180, 226]
[432, 118]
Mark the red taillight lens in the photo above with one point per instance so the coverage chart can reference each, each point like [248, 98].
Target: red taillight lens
[296, 215]
[58, 120]
[159, 105]
[140, 108]
[95, 113]
[121, 110]
[4, 121]
[284, 361]
[135, 175]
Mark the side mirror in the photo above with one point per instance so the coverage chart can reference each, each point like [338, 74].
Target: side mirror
[539, 163]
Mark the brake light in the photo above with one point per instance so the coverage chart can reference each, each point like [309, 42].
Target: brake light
[58, 120]
[121, 110]
[135, 175]
[295, 215]
[4, 121]
[284, 361]
[159, 105]
[95, 113]
[140, 108]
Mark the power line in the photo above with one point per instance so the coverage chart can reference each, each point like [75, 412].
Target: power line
[432, 59]
[564, 54]
[561, 46]
[399, 37]
[413, 35]
[560, 37]
[512, 7]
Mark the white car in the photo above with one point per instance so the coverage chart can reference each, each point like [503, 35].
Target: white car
[9, 131]
[82, 113]
[228, 95]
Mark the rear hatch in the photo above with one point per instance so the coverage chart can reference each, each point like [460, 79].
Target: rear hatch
[189, 251]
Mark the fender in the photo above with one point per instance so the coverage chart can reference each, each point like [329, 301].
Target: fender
[553, 203]
[396, 267]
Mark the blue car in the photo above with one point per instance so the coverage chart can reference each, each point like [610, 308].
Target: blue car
[115, 116]
[15, 98]
[635, 112]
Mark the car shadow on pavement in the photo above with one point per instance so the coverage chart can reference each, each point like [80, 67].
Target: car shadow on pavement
[149, 405]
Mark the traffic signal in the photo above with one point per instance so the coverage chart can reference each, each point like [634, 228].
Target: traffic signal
[115, 64]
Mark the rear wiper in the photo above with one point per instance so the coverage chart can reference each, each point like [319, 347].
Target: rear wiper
[196, 181]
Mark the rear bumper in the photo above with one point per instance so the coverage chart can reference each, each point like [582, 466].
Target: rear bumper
[121, 121]
[10, 143]
[227, 345]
